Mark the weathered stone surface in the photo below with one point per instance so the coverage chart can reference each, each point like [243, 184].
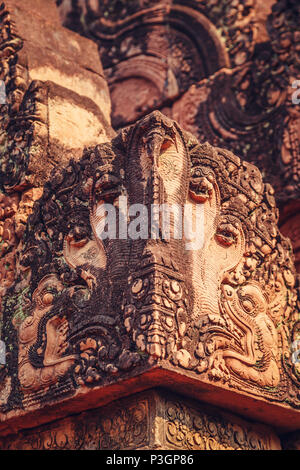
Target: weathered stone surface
[56, 102]
[88, 316]
[290, 226]
[154, 419]
[55, 89]
[227, 71]
[291, 441]
[212, 314]
[151, 52]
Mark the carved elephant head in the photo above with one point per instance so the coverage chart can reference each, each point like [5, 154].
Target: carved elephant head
[166, 250]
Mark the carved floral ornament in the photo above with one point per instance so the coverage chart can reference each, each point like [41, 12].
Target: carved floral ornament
[95, 309]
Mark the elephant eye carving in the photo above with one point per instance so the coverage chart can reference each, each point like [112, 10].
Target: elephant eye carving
[227, 234]
[167, 143]
[46, 298]
[45, 295]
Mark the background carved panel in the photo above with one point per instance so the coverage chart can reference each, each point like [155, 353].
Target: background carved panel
[227, 71]
[153, 419]
[194, 429]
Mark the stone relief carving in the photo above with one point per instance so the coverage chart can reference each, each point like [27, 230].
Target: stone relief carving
[31, 143]
[15, 209]
[256, 119]
[290, 227]
[39, 89]
[151, 49]
[48, 349]
[90, 310]
[133, 424]
[8, 240]
[186, 428]
[14, 139]
[239, 97]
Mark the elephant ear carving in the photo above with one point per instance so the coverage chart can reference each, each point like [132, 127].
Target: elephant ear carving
[245, 282]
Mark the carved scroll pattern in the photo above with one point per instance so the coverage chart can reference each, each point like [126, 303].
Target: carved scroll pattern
[113, 428]
[122, 429]
[186, 428]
